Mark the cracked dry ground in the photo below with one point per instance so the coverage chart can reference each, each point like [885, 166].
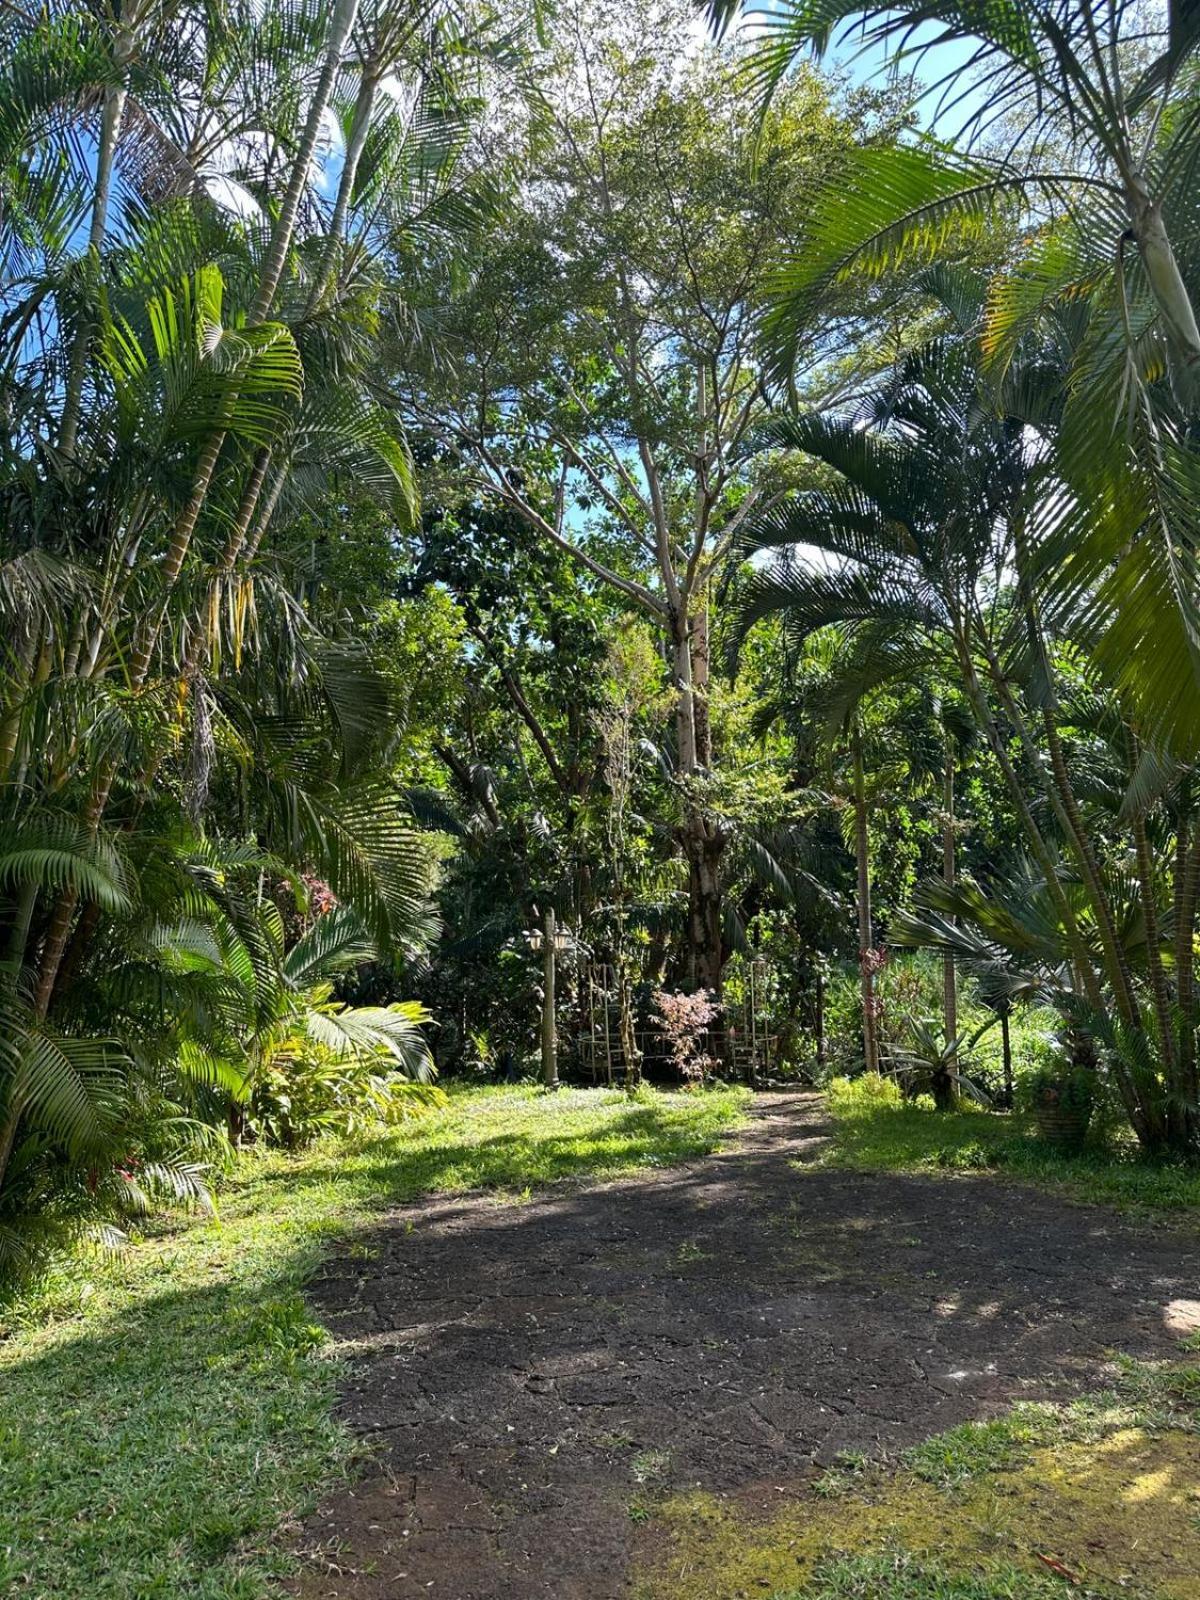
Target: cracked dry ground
[736, 1323]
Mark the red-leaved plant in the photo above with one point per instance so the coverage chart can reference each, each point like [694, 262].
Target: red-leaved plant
[684, 1020]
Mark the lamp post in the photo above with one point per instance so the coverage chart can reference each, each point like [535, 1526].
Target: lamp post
[549, 941]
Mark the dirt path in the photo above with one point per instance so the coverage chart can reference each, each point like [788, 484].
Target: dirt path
[531, 1371]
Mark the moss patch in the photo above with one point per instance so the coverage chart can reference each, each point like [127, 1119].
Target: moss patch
[1107, 1510]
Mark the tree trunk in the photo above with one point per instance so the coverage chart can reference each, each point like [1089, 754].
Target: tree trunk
[685, 704]
[1041, 852]
[1162, 269]
[703, 846]
[1187, 870]
[360, 127]
[25, 654]
[1006, 1055]
[111, 118]
[866, 949]
[949, 973]
[629, 1044]
[1088, 981]
[700, 677]
[1154, 960]
[945, 1076]
[702, 838]
[8, 1136]
[549, 1020]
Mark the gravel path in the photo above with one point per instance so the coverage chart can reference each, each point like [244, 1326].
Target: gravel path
[529, 1371]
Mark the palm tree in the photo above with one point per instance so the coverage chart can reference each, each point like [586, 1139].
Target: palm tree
[296, 1061]
[1112, 77]
[189, 387]
[1110, 225]
[928, 516]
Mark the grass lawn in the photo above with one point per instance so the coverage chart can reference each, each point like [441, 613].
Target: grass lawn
[166, 1414]
[874, 1135]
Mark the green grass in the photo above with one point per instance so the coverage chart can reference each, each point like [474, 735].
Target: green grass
[902, 1577]
[1152, 1398]
[166, 1414]
[871, 1135]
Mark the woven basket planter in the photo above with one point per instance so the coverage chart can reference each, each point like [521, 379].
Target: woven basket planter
[1064, 1125]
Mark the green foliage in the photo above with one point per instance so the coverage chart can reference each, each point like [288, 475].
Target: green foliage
[863, 1096]
[190, 697]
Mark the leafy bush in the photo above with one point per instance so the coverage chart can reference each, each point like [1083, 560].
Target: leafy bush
[875, 1133]
[864, 1096]
[305, 1090]
[684, 1020]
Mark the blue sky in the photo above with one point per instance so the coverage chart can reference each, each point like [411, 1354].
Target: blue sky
[873, 64]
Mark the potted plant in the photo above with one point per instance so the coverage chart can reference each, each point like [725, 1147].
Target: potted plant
[1063, 1097]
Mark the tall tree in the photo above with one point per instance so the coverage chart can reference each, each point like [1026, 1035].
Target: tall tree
[608, 375]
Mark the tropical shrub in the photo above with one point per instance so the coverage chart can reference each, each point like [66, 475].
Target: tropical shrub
[864, 1096]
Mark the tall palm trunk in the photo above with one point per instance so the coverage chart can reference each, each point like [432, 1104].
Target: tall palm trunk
[949, 972]
[945, 1075]
[111, 119]
[23, 657]
[1187, 880]
[1081, 958]
[1162, 268]
[1006, 1052]
[702, 837]
[1066, 807]
[1143, 1114]
[986, 721]
[1059, 789]
[360, 127]
[866, 948]
[1154, 958]
[341, 24]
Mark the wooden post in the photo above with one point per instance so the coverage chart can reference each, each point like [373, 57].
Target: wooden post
[549, 1028]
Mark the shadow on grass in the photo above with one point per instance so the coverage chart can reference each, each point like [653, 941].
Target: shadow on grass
[164, 1415]
[395, 1170]
[158, 1453]
[154, 1447]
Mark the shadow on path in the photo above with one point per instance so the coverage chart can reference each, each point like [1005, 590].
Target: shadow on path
[529, 1372]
